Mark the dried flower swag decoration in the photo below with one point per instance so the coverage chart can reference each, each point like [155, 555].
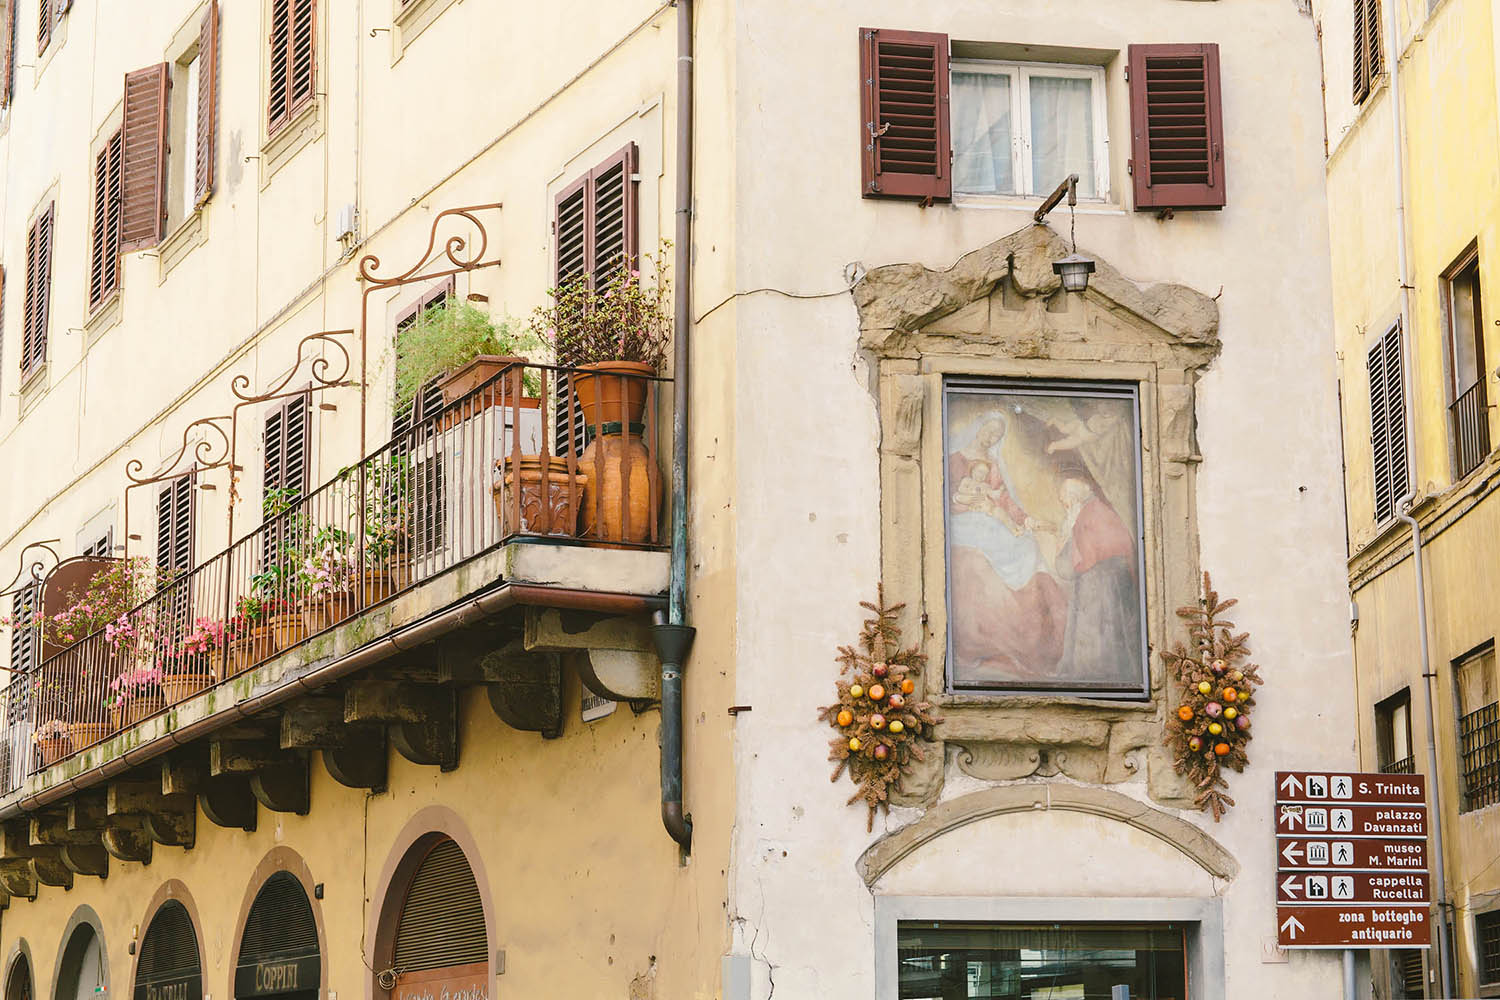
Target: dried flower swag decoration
[879, 724]
[1210, 728]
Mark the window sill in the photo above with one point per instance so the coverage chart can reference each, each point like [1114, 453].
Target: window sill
[410, 20]
[304, 127]
[33, 387]
[191, 233]
[1029, 203]
[105, 316]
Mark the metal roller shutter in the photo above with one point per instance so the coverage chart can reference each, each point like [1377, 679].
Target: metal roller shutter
[442, 918]
[169, 955]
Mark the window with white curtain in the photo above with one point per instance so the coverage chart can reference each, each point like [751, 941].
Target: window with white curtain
[1020, 128]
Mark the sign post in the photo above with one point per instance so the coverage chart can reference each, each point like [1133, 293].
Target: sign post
[1351, 861]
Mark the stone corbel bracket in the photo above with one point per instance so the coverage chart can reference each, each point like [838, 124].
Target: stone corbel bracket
[613, 657]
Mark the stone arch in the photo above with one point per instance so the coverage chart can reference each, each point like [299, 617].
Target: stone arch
[1190, 840]
[19, 963]
[172, 890]
[279, 859]
[71, 949]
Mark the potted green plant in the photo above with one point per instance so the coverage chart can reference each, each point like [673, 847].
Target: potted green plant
[457, 342]
[614, 338]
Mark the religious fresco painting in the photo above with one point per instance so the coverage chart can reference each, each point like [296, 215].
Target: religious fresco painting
[1044, 542]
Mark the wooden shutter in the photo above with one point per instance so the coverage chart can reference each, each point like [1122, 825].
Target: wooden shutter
[294, 60]
[1387, 424]
[1177, 126]
[145, 157]
[2, 314]
[442, 918]
[7, 53]
[904, 139]
[286, 445]
[104, 256]
[174, 525]
[208, 103]
[38, 293]
[1369, 58]
[25, 642]
[43, 25]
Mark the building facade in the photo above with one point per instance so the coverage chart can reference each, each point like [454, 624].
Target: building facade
[448, 772]
[1411, 166]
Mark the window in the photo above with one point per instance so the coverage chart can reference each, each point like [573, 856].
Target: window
[1021, 129]
[191, 123]
[1478, 728]
[7, 52]
[946, 959]
[429, 399]
[38, 293]
[293, 60]
[174, 525]
[1487, 945]
[1407, 975]
[1387, 423]
[26, 642]
[1468, 409]
[104, 254]
[49, 12]
[286, 440]
[1034, 467]
[1393, 733]
[102, 547]
[1369, 59]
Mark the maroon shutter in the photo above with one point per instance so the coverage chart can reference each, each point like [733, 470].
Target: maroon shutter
[2, 313]
[904, 129]
[145, 157]
[208, 103]
[304, 63]
[104, 250]
[7, 54]
[1374, 54]
[293, 59]
[1361, 65]
[280, 39]
[43, 25]
[38, 293]
[1177, 127]
[613, 216]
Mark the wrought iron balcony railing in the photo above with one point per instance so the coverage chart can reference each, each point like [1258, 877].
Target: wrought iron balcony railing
[1406, 765]
[1470, 418]
[533, 452]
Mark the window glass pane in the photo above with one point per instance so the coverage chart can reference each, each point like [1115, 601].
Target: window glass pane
[1400, 732]
[1062, 133]
[974, 961]
[1464, 327]
[1476, 682]
[187, 160]
[982, 133]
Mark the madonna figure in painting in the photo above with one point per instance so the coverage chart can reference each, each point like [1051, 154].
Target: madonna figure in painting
[1043, 542]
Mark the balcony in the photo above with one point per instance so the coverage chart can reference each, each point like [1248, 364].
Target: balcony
[1406, 765]
[511, 496]
[1469, 416]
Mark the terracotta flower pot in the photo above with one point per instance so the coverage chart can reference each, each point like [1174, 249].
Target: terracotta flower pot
[622, 494]
[375, 586]
[237, 655]
[602, 390]
[53, 750]
[476, 373]
[143, 706]
[181, 687]
[549, 501]
[286, 629]
[86, 734]
[326, 610]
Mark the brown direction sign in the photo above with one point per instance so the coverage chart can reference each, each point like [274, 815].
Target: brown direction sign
[1351, 856]
[1325, 787]
[1319, 854]
[1353, 927]
[1351, 820]
[1351, 887]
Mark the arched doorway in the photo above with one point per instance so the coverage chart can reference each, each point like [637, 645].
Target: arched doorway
[279, 956]
[18, 985]
[169, 968]
[438, 943]
[82, 973]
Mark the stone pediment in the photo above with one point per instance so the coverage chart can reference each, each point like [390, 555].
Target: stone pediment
[905, 308]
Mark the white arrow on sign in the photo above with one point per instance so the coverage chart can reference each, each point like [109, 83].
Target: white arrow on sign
[1290, 818]
[1291, 785]
[1291, 885]
[1291, 852]
[1292, 925]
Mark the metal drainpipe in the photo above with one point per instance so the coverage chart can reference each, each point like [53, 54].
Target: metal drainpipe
[1440, 881]
[674, 637]
[1409, 352]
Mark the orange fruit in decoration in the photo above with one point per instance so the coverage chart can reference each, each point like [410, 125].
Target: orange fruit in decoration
[846, 717]
[908, 686]
[1230, 694]
[854, 744]
[897, 726]
[1220, 749]
[1185, 712]
[856, 690]
[877, 692]
[877, 721]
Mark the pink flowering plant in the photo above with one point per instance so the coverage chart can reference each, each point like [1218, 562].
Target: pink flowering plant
[128, 685]
[329, 566]
[98, 605]
[52, 729]
[627, 318]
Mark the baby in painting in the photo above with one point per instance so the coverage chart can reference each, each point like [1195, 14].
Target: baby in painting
[974, 493]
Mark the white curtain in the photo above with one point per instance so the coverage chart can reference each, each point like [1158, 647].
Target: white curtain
[982, 134]
[1062, 133]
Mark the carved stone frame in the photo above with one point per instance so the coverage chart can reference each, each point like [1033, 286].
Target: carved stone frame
[1001, 312]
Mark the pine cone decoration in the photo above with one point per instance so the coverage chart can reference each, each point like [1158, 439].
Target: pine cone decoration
[1210, 723]
[879, 720]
